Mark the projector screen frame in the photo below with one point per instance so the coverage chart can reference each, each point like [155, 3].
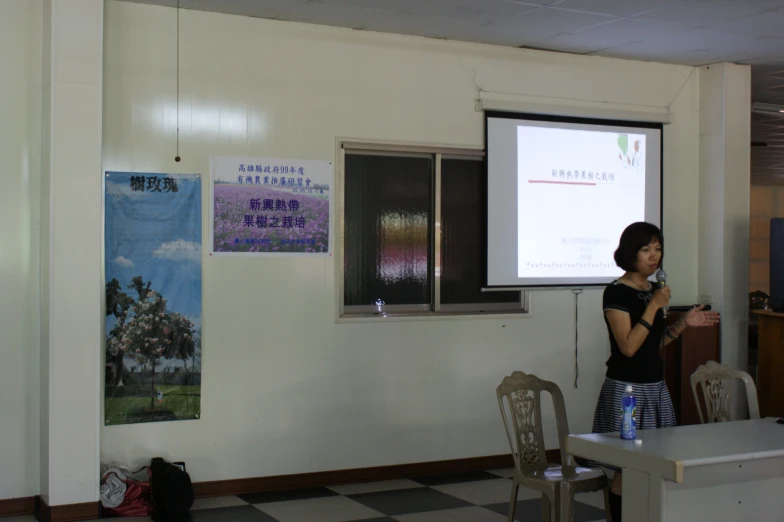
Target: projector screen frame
[579, 120]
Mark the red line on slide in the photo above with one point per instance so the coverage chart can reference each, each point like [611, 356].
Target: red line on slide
[562, 182]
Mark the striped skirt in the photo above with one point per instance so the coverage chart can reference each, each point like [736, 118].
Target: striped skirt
[654, 407]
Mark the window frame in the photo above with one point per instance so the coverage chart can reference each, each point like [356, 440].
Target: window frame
[434, 310]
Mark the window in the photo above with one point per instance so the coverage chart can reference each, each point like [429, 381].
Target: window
[414, 230]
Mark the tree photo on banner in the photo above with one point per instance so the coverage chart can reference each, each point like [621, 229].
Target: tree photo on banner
[153, 297]
[270, 206]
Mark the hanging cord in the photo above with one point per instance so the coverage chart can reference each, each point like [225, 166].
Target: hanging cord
[177, 156]
[576, 292]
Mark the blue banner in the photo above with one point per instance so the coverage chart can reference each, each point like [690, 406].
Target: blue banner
[153, 297]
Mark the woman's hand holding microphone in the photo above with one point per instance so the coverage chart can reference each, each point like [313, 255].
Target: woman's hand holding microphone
[661, 297]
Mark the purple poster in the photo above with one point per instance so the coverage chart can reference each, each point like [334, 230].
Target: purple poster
[270, 206]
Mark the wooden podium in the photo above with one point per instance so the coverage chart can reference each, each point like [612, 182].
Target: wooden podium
[770, 372]
[694, 347]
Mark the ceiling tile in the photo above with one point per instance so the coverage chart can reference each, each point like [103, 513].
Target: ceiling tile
[480, 11]
[399, 6]
[253, 8]
[549, 22]
[534, 27]
[700, 13]
[705, 41]
[625, 31]
[523, 22]
[668, 50]
[737, 48]
[535, 3]
[757, 5]
[614, 35]
[338, 14]
[765, 49]
[768, 23]
[614, 7]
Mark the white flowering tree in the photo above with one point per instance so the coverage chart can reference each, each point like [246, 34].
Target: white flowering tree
[117, 304]
[149, 332]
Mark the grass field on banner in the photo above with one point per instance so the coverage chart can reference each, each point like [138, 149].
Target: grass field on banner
[177, 403]
[302, 227]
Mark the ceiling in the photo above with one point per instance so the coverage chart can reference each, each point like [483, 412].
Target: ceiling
[689, 32]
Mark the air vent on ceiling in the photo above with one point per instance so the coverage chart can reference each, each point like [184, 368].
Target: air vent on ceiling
[767, 108]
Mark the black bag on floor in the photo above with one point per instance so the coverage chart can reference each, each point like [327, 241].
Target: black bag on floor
[172, 492]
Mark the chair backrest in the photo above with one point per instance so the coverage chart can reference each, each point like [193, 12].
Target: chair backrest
[758, 300]
[519, 397]
[717, 383]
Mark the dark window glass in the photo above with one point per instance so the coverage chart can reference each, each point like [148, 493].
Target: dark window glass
[388, 229]
[463, 231]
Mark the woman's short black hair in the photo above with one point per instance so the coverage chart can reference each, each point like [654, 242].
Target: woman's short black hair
[636, 236]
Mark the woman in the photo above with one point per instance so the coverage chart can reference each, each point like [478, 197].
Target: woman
[638, 332]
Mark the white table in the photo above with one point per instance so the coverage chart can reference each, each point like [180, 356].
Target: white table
[732, 471]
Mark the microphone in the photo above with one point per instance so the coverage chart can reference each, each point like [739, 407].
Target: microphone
[661, 278]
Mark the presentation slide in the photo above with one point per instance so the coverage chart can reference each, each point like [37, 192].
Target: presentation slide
[561, 193]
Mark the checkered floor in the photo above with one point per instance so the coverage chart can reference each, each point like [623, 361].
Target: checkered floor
[471, 497]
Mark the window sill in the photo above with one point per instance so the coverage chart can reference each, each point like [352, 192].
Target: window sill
[430, 316]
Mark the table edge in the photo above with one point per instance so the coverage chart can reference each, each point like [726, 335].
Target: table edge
[668, 469]
[729, 459]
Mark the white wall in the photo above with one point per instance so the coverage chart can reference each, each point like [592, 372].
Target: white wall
[725, 183]
[71, 189]
[737, 165]
[285, 388]
[20, 149]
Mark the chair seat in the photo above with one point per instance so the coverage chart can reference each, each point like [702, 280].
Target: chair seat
[558, 473]
[577, 479]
